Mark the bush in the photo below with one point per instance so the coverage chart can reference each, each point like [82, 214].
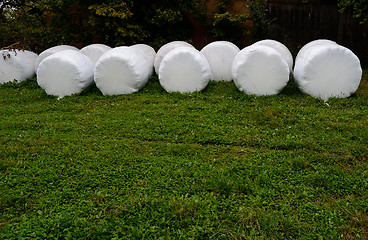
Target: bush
[47, 23]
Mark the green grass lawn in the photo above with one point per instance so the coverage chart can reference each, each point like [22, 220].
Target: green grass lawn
[211, 165]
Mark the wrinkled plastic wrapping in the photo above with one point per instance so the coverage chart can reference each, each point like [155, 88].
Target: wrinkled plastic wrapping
[327, 70]
[220, 56]
[280, 48]
[165, 49]
[260, 70]
[121, 70]
[51, 51]
[95, 51]
[65, 73]
[185, 70]
[149, 53]
[17, 65]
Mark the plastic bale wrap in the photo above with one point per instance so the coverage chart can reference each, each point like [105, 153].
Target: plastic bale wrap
[51, 51]
[260, 70]
[122, 70]
[280, 48]
[220, 56]
[95, 51]
[17, 65]
[165, 49]
[312, 44]
[149, 53]
[185, 70]
[65, 73]
[328, 70]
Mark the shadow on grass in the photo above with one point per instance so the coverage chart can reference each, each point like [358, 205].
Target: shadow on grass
[291, 89]
[93, 90]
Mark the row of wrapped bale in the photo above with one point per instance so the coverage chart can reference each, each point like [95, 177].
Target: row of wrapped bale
[65, 70]
[120, 70]
[261, 69]
[323, 68]
[182, 68]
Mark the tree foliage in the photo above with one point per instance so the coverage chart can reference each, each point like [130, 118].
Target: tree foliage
[225, 23]
[45, 23]
[360, 8]
[21, 22]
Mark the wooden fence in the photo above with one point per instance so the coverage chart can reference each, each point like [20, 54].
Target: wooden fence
[296, 23]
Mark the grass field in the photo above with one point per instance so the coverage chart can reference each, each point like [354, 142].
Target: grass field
[211, 165]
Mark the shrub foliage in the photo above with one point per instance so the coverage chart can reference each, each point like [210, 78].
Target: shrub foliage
[45, 23]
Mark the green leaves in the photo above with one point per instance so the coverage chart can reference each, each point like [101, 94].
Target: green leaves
[359, 7]
[47, 23]
[116, 10]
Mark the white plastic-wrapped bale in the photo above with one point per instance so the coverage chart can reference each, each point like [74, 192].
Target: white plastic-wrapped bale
[185, 70]
[149, 54]
[280, 48]
[312, 44]
[51, 51]
[165, 49]
[122, 70]
[16, 65]
[65, 73]
[220, 56]
[328, 70]
[95, 51]
[260, 70]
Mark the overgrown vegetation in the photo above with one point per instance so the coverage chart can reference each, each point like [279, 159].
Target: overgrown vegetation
[46, 23]
[359, 8]
[233, 23]
[21, 23]
[215, 164]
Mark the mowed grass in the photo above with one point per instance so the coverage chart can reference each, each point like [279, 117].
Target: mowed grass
[211, 165]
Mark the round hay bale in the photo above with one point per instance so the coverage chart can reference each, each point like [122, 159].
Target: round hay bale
[260, 70]
[185, 70]
[328, 70]
[148, 52]
[95, 51]
[165, 49]
[220, 56]
[312, 44]
[51, 51]
[17, 65]
[65, 73]
[280, 48]
[122, 70]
